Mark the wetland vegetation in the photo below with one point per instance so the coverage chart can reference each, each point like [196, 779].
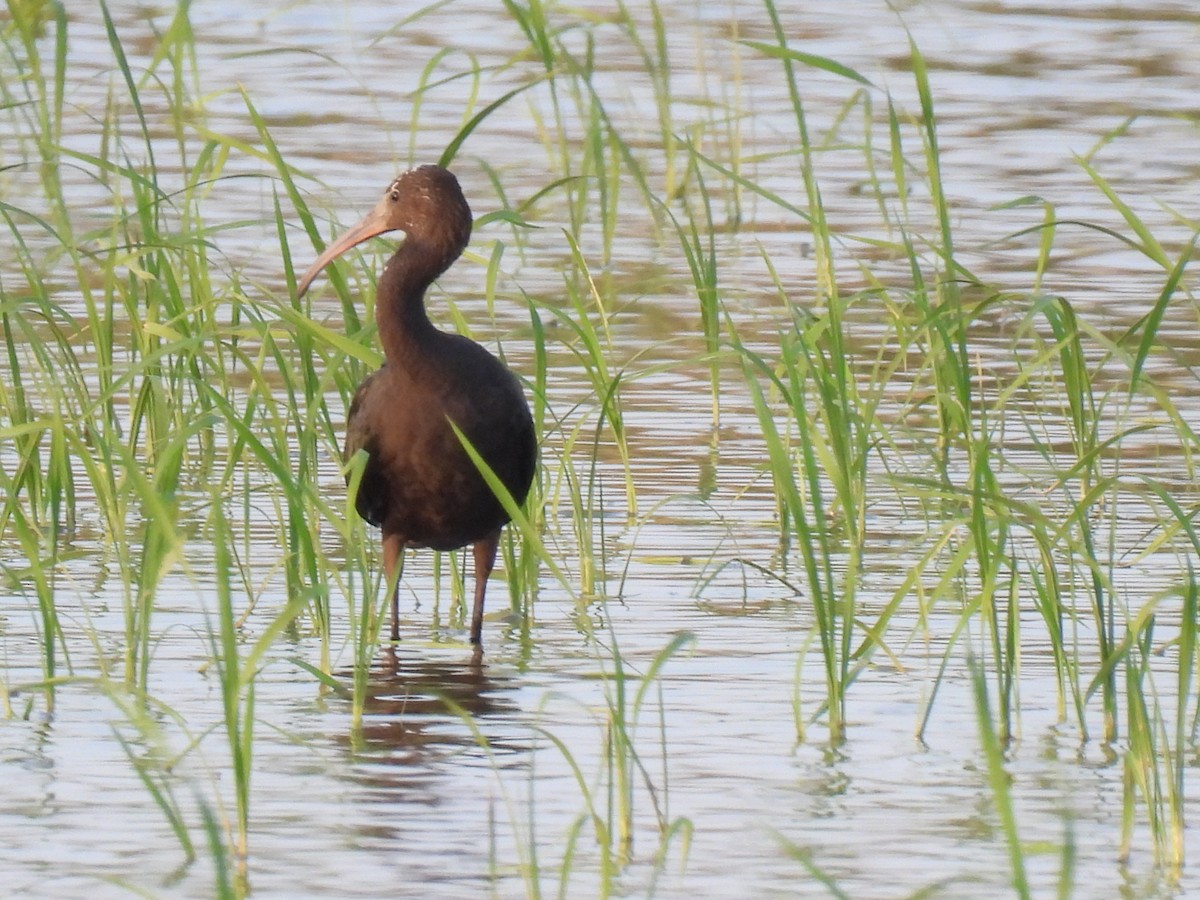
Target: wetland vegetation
[796, 413]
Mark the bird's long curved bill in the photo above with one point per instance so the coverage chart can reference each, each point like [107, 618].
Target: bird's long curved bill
[375, 223]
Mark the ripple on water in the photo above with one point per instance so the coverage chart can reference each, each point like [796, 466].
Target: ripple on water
[414, 803]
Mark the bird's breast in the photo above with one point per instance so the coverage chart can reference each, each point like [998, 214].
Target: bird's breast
[424, 485]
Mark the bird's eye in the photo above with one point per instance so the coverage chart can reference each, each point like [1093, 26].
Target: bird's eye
[395, 196]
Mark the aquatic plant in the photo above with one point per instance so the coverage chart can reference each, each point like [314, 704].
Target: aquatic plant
[171, 418]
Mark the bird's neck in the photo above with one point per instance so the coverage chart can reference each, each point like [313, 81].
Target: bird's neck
[404, 326]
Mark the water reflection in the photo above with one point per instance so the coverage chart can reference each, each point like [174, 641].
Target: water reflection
[419, 711]
[1019, 91]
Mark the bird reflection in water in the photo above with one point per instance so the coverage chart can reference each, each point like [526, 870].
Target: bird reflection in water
[416, 713]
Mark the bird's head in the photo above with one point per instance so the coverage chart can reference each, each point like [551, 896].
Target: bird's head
[425, 203]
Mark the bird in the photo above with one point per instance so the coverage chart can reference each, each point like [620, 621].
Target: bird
[419, 485]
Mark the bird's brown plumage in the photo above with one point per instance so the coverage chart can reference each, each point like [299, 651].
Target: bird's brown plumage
[419, 485]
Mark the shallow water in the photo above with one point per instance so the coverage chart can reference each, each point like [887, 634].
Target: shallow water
[413, 806]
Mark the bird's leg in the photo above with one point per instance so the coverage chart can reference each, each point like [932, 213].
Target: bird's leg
[393, 547]
[391, 661]
[485, 559]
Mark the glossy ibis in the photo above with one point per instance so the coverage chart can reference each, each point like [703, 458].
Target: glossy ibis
[419, 486]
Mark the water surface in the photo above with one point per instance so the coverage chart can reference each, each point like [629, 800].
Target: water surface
[413, 806]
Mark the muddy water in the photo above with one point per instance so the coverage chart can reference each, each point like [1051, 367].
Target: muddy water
[414, 807]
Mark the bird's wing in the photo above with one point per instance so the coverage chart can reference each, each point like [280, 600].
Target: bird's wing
[373, 494]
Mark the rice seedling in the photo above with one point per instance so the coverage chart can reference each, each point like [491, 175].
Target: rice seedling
[698, 242]
[813, 378]
[941, 304]
[1157, 728]
[625, 767]
[593, 350]
[151, 758]
[166, 416]
[237, 672]
[610, 796]
[998, 780]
